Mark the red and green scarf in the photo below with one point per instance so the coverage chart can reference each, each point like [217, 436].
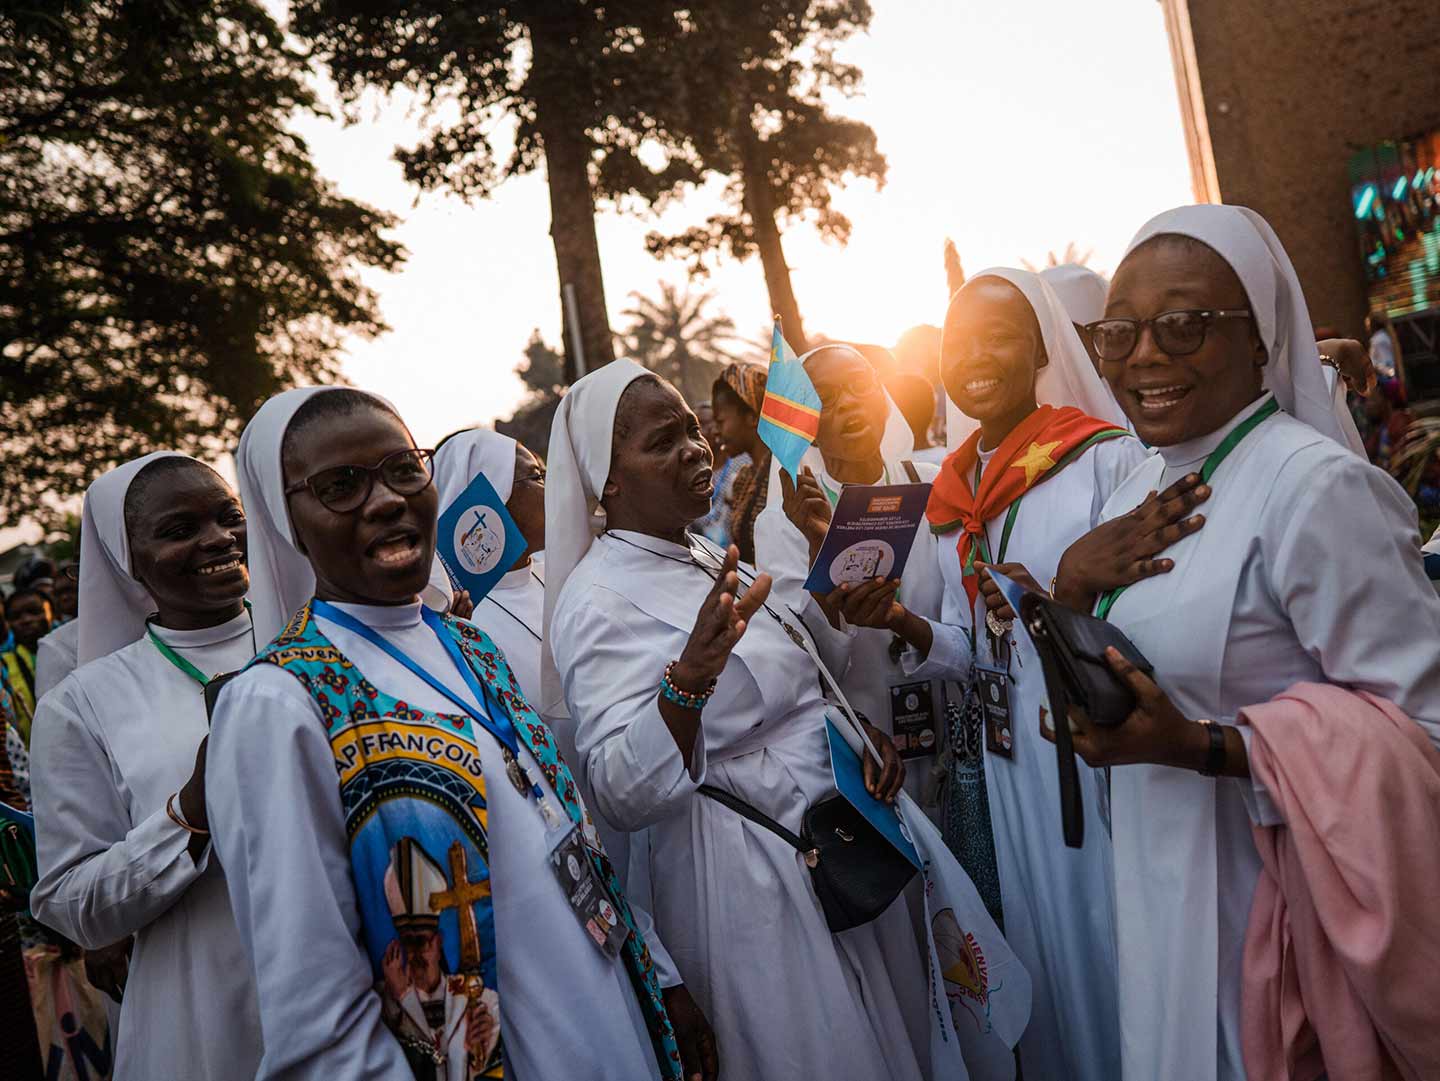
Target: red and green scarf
[1039, 447]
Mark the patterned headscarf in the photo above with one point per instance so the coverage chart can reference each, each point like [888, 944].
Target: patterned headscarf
[747, 497]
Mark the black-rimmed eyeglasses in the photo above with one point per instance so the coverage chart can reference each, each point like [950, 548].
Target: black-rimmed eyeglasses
[1177, 333]
[343, 488]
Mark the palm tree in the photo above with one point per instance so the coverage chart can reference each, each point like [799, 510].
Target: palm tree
[675, 337]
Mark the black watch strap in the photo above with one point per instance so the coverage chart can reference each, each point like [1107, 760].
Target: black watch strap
[1215, 757]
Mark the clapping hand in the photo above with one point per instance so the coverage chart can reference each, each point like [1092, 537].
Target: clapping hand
[1122, 551]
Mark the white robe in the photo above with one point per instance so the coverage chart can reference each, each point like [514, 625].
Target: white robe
[279, 828]
[1059, 902]
[787, 998]
[510, 615]
[859, 657]
[110, 745]
[55, 657]
[1307, 568]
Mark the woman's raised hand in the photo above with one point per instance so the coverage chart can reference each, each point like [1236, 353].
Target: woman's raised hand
[719, 624]
[1122, 551]
[806, 506]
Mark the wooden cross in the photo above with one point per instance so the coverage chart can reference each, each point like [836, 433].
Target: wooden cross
[462, 897]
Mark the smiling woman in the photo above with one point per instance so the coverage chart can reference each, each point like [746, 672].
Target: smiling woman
[118, 769]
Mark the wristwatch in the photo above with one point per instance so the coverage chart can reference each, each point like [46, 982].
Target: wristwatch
[1215, 757]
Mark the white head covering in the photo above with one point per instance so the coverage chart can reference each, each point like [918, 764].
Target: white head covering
[280, 577]
[1080, 289]
[1069, 377]
[1293, 374]
[896, 443]
[581, 439]
[468, 454]
[113, 605]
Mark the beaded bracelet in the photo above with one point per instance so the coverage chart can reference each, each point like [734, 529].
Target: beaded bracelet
[684, 699]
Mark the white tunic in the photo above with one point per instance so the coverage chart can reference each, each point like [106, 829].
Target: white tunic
[110, 745]
[1308, 568]
[55, 656]
[860, 657]
[279, 828]
[511, 615]
[1059, 902]
[787, 998]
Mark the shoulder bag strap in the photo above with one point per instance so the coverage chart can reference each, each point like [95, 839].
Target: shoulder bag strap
[760, 818]
[910, 471]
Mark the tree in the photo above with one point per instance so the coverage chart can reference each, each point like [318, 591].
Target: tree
[168, 256]
[676, 338]
[543, 372]
[584, 81]
[760, 75]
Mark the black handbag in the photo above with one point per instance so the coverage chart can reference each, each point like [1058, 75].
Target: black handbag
[1071, 646]
[856, 872]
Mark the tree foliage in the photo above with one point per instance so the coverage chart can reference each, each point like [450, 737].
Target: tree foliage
[676, 337]
[168, 255]
[543, 373]
[762, 76]
[584, 83]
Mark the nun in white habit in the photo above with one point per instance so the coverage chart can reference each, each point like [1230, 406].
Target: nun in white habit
[734, 903]
[119, 808]
[1307, 568]
[511, 614]
[1011, 358]
[281, 828]
[863, 439]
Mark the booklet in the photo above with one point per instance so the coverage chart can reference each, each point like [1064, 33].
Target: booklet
[477, 540]
[850, 783]
[871, 532]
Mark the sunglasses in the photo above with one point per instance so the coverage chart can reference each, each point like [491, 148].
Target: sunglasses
[1177, 333]
[862, 385]
[344, 488]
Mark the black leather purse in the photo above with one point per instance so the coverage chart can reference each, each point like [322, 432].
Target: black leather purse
[856, 872]
[1072, 648]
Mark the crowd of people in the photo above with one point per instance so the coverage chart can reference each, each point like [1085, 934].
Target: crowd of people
[581, 826]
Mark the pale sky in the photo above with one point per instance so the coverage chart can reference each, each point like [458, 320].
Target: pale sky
[1012, 128]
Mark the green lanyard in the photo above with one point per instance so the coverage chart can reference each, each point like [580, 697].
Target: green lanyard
[180, 662]
[1212, 463]
[982, 542]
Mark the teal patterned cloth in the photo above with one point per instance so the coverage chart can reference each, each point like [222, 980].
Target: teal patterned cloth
[410, 786]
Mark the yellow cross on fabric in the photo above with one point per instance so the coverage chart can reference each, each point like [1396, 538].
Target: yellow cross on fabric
[1036, 460]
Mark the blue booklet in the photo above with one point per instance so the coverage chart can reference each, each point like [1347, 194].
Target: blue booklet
[871, 532]
[850, 783]
[477, 540]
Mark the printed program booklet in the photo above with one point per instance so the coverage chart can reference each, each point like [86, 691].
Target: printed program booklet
[872, 530]
[477, 540]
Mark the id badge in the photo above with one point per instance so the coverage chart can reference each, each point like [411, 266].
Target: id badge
[588, 898]
[993, 686]
[912, 718]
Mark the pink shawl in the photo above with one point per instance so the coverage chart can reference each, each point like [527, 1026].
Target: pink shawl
[1342, 954]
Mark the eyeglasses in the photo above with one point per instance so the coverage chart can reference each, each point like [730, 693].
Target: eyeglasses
[863, 383]
[1177, 333]
[344, 488]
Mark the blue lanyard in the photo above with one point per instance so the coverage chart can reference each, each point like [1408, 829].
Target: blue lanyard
[491, 719]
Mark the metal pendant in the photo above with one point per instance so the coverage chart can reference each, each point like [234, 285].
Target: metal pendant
[997, 626]
[794, 635]
[516, 772]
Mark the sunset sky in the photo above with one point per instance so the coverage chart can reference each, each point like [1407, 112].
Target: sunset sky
[1013, 128]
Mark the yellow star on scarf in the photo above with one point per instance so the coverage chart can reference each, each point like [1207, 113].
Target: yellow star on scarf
[1036, 460]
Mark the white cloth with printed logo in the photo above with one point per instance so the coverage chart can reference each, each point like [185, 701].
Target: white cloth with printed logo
[565, 1010]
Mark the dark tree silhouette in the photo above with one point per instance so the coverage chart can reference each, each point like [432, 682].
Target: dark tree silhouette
[168, 256]
[760, 72]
